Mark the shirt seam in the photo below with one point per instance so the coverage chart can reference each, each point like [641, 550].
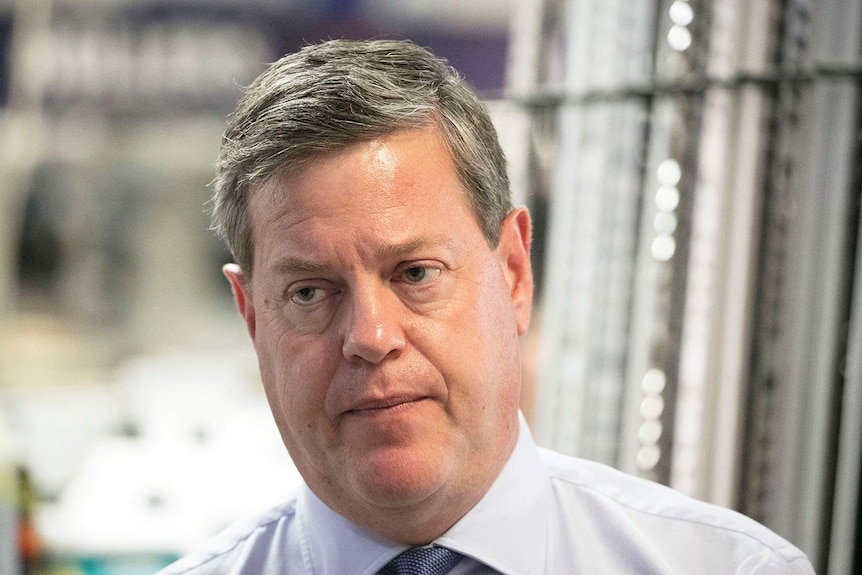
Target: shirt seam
[775, 550]
[236, 543]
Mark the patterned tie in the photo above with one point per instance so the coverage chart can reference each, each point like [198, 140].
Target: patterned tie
[422, 561]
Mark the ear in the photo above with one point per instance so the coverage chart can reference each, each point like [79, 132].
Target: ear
[514, 253]
[239, 284]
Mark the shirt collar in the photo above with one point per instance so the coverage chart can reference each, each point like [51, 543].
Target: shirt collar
[334, 545]
[507, 530]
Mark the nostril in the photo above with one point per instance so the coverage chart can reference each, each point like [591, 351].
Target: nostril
[372, 325]
[372, 345]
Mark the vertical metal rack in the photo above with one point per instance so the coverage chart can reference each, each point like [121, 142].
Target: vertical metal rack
[701, 295]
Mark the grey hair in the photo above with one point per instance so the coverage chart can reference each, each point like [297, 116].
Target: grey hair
[330, 95]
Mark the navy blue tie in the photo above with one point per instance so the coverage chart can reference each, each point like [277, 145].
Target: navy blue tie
[422, 561]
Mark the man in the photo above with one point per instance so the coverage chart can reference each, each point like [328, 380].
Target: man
[384, 279]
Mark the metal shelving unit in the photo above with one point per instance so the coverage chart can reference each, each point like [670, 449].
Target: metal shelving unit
[701, 296]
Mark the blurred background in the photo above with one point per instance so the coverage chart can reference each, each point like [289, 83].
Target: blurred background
[694, 168]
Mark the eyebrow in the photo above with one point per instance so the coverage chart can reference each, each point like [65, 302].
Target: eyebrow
[291, 264]
[391, 251]
[403, 249]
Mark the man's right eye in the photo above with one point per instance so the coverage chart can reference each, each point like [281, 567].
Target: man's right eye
[307, 295]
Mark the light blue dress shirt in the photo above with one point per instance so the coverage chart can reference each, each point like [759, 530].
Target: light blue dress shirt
[546, 514]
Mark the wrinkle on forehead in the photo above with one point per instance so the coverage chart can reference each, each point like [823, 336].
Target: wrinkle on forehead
[278, 204]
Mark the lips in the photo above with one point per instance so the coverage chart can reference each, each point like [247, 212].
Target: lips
[383, 405]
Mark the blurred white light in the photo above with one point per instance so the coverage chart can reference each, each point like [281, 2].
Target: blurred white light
[679, 38]
[653, 382]
[650, 432]
[648, 456]
[669, 172]
[663, 247]
[681, 13]
[667, 198]
[652, 407]
[664, 223]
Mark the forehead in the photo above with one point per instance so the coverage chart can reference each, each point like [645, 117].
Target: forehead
[397, 183]
[403, 161]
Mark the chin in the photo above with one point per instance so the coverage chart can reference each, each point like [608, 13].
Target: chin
[399, 483]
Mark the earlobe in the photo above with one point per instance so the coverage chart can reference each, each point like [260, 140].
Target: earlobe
[514, 251]
[241, 295]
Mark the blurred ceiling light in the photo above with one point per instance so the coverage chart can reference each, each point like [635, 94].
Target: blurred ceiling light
[681, 13]
[679, 38]
[652, 407]
[665, 223]
[667, 198]
[653, 382]
[663, 247]
[650, 431]
[648, 457]
[669, 172]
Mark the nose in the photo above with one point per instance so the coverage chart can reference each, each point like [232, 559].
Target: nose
[373, 328]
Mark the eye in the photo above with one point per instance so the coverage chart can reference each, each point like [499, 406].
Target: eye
[419, 275]
[308, 295]
[415, 274]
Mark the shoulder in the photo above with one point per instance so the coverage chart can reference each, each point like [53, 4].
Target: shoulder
[657, 523]
[243, 548]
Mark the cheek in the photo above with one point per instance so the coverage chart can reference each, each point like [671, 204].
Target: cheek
[476, 351]
[295, 376]
[500, 351]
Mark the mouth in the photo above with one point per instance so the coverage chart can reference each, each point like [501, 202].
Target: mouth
[392, 405]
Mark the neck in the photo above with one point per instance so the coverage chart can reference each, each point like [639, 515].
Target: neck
[423, 521]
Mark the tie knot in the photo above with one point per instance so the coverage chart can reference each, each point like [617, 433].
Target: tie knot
[422, 561]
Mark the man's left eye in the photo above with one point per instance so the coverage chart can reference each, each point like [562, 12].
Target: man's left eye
[415, 274]
[419, 274]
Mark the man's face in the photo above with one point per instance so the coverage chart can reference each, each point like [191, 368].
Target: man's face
[386, 330]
